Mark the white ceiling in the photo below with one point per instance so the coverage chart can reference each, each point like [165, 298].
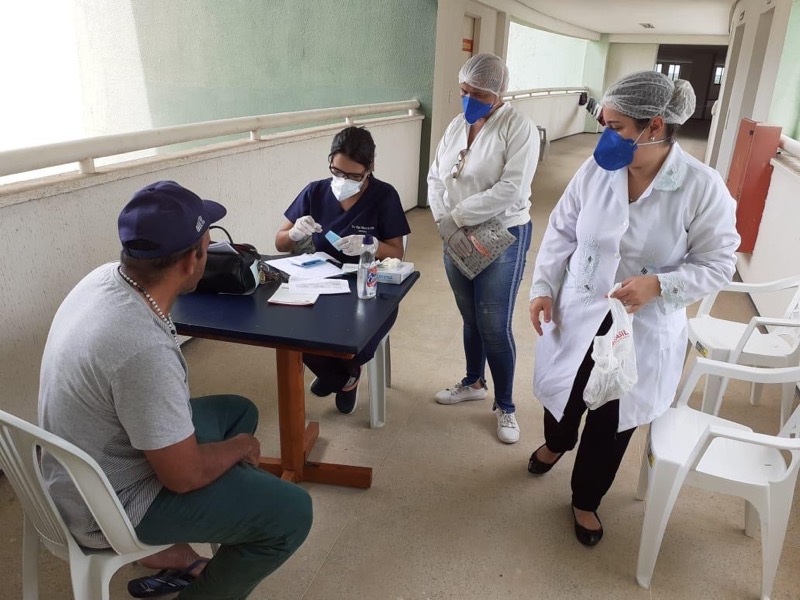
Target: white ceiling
[670, 17]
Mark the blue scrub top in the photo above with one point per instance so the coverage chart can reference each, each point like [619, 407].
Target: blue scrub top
[378, 213]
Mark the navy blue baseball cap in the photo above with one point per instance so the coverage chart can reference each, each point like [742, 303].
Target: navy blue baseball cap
[164, 218]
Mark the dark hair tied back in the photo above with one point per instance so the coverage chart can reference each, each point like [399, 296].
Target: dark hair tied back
[355, 143]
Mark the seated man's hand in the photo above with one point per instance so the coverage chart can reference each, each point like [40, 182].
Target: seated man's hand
[252, 449]
[303, 228]
[353, 245]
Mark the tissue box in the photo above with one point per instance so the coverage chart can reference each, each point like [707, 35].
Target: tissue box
[397, 275]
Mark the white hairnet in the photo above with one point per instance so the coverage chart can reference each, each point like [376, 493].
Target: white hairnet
[646, 94]
[485, 72]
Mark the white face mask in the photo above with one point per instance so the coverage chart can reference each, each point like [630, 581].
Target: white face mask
[344, 188]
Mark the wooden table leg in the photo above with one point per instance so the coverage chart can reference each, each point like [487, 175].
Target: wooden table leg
[291, 412]
[297, 439]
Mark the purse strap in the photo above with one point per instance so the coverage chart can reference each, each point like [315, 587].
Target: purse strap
[230, 239]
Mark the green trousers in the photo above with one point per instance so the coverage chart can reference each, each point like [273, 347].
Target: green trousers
[259, 519]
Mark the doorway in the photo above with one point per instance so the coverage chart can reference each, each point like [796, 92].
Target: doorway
[469, 37]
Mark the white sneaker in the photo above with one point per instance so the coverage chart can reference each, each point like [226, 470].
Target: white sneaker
[460, 393]
[507, 428]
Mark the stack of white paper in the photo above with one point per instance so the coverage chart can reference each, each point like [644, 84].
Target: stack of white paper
[307, 266]
[285, 295]
[319, 286]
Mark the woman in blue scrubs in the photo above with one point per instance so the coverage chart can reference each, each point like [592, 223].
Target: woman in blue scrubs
[352, 203]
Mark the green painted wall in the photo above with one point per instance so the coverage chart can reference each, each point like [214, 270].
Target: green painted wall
[785, 110]
[212, 59]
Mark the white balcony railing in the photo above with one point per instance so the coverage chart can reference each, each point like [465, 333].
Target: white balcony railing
[86, 151]
[792, 146]
[534, 92]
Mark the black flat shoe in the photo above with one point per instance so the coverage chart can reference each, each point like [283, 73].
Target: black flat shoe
[319, 389]
[346, 402]
[537, 467]
[587, 537]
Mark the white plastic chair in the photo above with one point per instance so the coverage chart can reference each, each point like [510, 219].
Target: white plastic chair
[706, 451]
[379, 372]
[744, 343]
[91, 570]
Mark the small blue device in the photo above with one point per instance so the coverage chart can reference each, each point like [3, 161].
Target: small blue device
[312, 262]
[332, 237]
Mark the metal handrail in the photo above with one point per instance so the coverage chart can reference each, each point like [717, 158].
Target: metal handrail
[543, 92]
[86, 150]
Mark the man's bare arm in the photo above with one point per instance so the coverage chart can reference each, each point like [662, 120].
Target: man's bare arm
[187, 465]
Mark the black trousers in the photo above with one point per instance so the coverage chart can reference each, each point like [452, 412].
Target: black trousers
[602, 447]
[333, 372]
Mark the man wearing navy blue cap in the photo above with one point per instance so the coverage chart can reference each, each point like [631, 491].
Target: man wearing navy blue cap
[114, 382]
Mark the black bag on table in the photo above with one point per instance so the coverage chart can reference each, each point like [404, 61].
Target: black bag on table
[228, 272]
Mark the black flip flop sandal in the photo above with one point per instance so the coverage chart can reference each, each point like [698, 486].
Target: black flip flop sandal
[166, 581]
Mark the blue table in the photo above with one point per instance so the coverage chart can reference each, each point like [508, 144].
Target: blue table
[337, 325]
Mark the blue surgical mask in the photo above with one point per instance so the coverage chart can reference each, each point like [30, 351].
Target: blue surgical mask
[475, 109]
[613, 151]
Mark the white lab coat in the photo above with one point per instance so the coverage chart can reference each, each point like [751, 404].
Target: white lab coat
[496, 178]
[682, 229]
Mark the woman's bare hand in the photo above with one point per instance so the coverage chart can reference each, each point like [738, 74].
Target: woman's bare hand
[541, 311]
[637, 291]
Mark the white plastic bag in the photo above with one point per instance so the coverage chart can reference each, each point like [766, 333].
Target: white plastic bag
[614, 371]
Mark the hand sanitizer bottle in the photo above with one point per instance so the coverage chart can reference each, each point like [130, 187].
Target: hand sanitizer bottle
[367, 282]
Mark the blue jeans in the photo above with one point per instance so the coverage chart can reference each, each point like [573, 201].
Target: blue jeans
[486, 305]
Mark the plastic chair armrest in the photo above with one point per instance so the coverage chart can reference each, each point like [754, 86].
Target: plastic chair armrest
[750, 288]
[713, 432]
[751, 326]
[751, 437]
[718, 368]
[767, 286]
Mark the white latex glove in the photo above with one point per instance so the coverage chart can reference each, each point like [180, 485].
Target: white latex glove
[447, 226]
[352, 245]
[460, 244]
[454, 236]
[303, 228]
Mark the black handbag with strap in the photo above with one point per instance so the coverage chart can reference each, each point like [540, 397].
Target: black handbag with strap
[231, 268]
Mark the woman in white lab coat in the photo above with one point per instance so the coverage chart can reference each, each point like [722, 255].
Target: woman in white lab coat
[483, 169]
[644, 213]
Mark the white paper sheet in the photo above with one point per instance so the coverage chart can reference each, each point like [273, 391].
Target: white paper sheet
[320, 286]
[285, 295]
[290, 266]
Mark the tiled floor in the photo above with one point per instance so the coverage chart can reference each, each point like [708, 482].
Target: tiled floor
[452, 513]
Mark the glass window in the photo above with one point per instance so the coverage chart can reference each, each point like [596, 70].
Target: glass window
[718, 72]
[674, 72]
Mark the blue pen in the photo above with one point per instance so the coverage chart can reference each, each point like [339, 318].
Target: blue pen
[312, 262]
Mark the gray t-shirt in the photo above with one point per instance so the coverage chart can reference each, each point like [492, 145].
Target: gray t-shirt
[114, 383]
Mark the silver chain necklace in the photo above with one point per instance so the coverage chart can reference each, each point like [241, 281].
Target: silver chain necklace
[152, 301]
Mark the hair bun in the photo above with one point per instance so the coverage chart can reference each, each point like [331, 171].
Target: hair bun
[682, 104]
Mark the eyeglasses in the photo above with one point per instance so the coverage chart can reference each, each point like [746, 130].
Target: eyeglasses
[459, 166]
[351, 176]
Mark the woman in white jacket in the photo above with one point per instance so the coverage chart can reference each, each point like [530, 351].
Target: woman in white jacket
[483, 169]
[644, 213]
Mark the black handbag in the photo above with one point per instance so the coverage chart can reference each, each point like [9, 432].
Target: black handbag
[228, 272]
